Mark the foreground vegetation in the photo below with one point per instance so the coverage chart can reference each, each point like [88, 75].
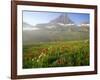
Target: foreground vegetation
[56, 54]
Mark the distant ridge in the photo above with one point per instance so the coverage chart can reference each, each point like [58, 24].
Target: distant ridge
[26, 25]
[60, 23]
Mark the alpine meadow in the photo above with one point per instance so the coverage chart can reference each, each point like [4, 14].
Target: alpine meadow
[55, 39]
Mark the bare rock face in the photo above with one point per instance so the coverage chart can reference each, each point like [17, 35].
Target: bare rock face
[63, 18]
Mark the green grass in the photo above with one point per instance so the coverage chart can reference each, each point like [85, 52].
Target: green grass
[56, 54]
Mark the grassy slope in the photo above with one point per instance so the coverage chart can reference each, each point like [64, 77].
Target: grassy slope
[56, 54]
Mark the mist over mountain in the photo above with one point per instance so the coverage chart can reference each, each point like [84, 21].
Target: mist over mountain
[26, 25]
[58, 29]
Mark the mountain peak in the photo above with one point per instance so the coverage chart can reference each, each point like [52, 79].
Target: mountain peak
[63, 18]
